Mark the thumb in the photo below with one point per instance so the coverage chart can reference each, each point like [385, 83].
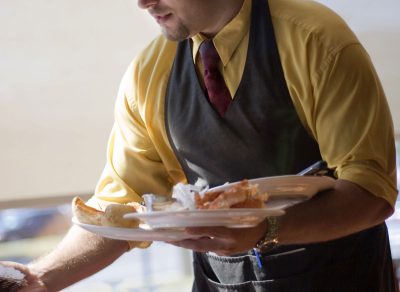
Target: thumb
[17, 277]
[11, 278]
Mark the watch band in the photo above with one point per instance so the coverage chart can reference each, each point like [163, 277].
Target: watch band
[270, 240]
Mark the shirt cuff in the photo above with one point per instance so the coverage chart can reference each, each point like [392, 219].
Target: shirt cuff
[376, 182]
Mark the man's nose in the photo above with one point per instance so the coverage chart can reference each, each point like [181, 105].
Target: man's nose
[145, 4]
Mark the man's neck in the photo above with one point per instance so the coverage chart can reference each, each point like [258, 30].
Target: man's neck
[223, 15]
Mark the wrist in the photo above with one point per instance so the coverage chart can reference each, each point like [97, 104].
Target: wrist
[38, 276]
[270, 238]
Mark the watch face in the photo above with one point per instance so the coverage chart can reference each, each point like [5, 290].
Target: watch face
[268, 245]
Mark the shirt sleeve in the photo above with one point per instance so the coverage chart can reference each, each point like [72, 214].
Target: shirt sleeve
[133, 165]
[352, 122]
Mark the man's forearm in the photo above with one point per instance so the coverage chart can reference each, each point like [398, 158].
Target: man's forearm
[333, 214]
[79, 255]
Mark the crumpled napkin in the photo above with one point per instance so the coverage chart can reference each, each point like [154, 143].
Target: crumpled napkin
[184, 193]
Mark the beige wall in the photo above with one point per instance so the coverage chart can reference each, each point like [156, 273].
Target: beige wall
[60, 66]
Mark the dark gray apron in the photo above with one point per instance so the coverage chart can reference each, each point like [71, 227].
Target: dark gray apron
[261, 135]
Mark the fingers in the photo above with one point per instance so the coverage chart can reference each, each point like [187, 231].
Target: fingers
[203, 244]
[222, 240]
[216, 232]
[13, 268]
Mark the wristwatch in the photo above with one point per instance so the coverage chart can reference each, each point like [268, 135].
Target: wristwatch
[270, 240]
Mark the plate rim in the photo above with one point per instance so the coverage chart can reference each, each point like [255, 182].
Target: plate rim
[120, 233]
[258, 211]
[267, 178]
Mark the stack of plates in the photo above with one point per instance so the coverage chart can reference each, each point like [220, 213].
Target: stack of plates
[284, 191]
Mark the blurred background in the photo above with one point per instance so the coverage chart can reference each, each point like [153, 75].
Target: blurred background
[60, 66]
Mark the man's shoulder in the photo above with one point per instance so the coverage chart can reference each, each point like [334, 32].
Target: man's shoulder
[149, 70]
[311, 19]
[157, 56]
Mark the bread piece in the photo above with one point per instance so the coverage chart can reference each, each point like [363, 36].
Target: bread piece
[113, 216]
[86, 214]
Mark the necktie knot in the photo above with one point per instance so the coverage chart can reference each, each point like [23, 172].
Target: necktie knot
[209, 55]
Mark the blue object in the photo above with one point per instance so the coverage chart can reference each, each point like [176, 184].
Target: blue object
[258, 258]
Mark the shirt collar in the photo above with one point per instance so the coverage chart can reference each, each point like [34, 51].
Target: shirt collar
[228, 39]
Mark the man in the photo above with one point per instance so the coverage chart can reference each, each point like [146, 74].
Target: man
[301, 89]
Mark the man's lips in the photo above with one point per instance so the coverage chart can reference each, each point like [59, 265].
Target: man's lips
[161, 18]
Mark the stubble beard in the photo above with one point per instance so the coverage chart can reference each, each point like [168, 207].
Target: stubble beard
[179, 34]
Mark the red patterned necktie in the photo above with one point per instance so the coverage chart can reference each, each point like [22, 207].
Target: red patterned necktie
[217, 90]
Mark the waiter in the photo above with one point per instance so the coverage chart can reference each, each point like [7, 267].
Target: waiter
[243, 89]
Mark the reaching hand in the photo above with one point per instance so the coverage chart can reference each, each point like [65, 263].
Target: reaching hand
[17, 277]
[223, 241]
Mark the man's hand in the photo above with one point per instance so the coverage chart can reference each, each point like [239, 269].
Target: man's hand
[79, 255]
[223, 241]
[329, 215]
[29, 283]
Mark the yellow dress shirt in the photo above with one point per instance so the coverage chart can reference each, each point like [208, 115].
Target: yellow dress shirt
[331, 80]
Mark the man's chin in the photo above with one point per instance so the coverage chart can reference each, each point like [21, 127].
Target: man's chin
[175, 35]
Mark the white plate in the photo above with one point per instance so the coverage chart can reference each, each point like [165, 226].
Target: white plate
[284, 192]
[287, 190]
[288, 186]
[136, 234]
[234, 218]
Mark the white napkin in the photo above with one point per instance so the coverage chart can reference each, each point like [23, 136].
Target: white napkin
[184, 193]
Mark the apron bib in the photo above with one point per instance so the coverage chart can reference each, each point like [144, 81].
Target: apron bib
[261, 135]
